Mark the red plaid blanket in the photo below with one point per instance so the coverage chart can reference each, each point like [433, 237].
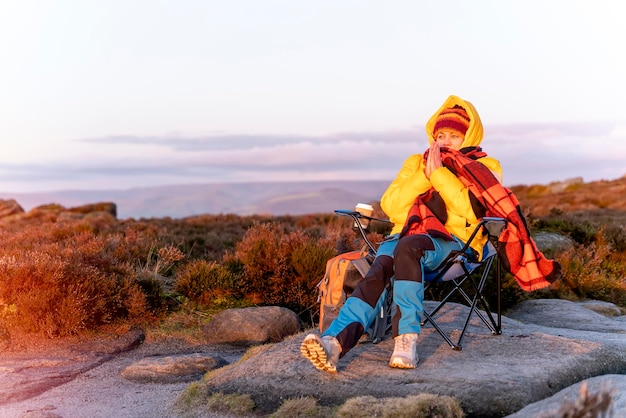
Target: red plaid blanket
[517, 250]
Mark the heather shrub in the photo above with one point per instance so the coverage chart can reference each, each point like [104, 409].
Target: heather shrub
[280, 267]
[206, 237]
[160, 261]
[616, 236]
[203, 281]
[591, 272]
[309, 264]
[61, 278]
[153, 293]
[537, 190]
[57, 280]
[154, 276]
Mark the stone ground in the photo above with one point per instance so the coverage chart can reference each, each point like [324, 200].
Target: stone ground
[547, 350]
[87, 381]
[493, 376]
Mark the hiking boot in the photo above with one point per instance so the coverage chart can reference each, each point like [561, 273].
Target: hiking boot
[322, 352]
[404, 354]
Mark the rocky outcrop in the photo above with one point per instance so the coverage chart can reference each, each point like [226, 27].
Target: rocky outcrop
[561, 186]
[595, 316]
[599, 394]
[11, 211]
[172, 369]
[552, 241]
[252, 326]
[573, 196]
[9, 207]
[552, 346]
[24, 375]
[101, 207]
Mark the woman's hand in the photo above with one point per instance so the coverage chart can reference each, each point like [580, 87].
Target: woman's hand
[434, 159]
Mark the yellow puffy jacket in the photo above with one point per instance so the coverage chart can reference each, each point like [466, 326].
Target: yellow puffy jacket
[411, 182]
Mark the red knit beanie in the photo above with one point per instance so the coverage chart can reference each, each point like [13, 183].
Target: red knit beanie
[455, 119]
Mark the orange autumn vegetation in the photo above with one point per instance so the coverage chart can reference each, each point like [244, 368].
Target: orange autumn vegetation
[61, 277]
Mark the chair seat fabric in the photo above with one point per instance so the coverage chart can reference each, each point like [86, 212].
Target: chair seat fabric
[456, 269]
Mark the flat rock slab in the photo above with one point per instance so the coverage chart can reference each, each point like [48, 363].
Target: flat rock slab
[26, 375]
[172, 369]
[558, 313]
[557, 405]
[493, 376]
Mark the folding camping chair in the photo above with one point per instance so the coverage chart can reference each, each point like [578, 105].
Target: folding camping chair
[459, 268]
[462, 267]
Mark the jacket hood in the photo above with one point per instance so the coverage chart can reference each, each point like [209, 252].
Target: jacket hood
[474, 134]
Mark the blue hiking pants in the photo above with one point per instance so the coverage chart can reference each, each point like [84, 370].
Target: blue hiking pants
[401, 262]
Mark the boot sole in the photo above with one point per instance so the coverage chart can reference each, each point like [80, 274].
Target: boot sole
[400, 364]
[313, 350]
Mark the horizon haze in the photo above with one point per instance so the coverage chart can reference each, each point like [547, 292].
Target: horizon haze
[271, 198]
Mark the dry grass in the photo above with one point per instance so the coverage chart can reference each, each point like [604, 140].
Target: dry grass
[195, 399]
[305, 406]
[235, 404]
[184, 325]
[193, 403]
[587, 405]
[422, 405]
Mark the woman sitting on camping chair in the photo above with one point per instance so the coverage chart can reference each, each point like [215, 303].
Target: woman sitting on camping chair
[433, 213]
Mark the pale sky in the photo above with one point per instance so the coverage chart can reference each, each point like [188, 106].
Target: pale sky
[113, 94]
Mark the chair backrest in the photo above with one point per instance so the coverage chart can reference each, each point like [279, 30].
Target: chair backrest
[493, 226]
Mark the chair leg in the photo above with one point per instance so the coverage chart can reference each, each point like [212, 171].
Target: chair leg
[491, 324]
[441, 332]
[494, 326]
[457, 288]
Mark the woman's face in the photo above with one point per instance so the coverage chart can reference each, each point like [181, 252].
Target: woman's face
[449, 139]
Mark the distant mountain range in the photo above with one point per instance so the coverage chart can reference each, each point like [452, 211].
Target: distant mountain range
[179, 201]
[301, 198]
